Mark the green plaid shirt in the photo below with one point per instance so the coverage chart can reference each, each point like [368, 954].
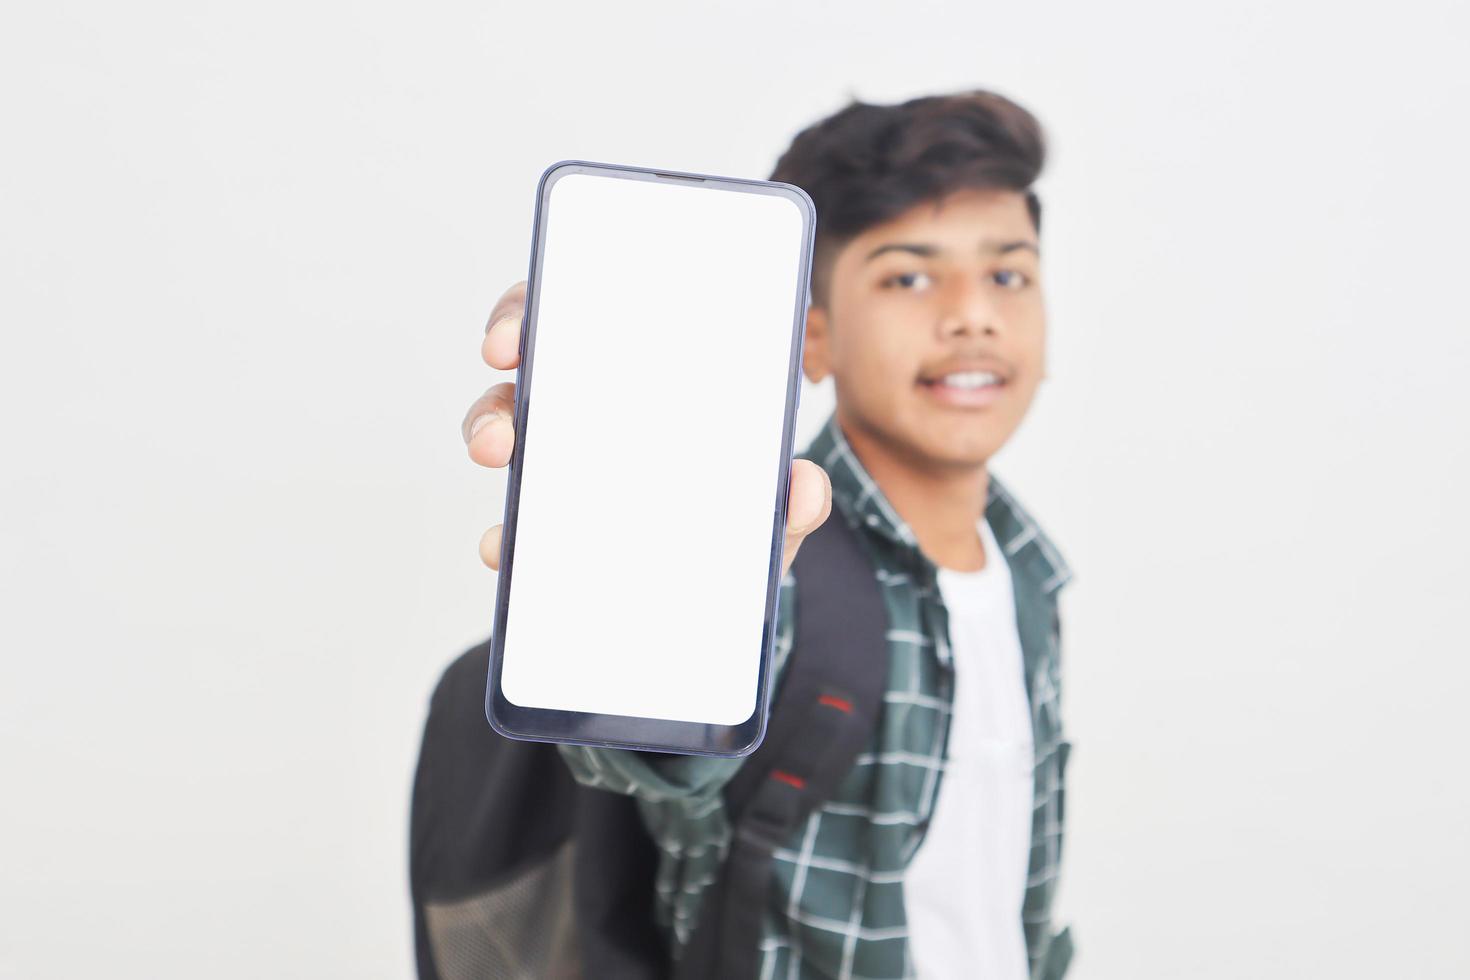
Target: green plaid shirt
[836, 903]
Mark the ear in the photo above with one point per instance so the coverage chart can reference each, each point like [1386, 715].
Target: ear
[816, 351]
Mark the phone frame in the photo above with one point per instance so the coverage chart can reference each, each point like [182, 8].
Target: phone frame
[624, 731]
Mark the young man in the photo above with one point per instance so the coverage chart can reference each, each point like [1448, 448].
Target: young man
[938, 855]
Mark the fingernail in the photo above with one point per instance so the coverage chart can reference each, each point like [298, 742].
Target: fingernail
[480, 423]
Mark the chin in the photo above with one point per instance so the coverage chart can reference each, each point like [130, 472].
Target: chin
[968, 458]
[973, 435]
[945, 442]
[964, 451]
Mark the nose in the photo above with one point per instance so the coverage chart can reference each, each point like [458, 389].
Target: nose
[968, 309]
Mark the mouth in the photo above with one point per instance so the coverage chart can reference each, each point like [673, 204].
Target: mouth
[970, 388]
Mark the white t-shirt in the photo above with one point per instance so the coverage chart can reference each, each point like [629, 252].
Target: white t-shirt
[964, 888]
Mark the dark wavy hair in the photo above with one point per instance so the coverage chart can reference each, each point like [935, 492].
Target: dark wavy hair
[866, 164]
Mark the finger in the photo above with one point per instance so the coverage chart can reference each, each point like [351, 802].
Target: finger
[501, 347]
[808, 504]
[489, 426]
[490, 547]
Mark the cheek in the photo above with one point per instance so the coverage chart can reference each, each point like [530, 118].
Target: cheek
[1036, 353]
[1028, 338]
[890, 369]
[876, 355]
[1031, 358]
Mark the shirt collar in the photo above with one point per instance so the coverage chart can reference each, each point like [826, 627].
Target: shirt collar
[857, 496]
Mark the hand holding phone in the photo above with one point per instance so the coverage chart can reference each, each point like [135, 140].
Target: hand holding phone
[653, 501]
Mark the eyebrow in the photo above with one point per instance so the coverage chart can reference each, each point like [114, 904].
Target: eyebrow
[927, 250]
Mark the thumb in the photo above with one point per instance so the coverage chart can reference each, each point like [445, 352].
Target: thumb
[809, 503]
[810, 499]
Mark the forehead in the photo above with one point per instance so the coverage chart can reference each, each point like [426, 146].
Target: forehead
[957, 222]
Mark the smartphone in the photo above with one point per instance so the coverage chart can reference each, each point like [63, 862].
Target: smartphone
[645, 508]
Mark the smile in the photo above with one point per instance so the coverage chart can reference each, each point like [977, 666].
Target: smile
[964, 389]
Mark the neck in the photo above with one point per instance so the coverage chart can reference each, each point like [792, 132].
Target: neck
[941, 504]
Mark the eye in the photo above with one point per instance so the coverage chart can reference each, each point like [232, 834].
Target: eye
[1011, 279]
[904, 276]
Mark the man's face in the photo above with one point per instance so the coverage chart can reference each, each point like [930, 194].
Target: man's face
[934, 329]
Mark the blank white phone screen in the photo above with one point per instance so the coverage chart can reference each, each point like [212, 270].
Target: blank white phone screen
[652, 449]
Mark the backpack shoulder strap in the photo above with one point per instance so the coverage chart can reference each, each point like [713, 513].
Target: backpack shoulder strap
[822, 718]
[833, 686]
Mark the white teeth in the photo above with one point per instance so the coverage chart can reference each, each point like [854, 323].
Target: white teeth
[970, 379]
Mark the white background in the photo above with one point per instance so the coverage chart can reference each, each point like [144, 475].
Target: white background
[247, 254]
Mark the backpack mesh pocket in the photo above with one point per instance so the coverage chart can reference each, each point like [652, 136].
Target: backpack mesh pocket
[521, 929]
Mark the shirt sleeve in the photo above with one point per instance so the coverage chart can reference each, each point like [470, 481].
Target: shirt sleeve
[659, 777]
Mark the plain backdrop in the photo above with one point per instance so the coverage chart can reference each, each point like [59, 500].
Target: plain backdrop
[248, 251]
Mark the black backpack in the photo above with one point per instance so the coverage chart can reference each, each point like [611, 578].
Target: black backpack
[519, 872]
